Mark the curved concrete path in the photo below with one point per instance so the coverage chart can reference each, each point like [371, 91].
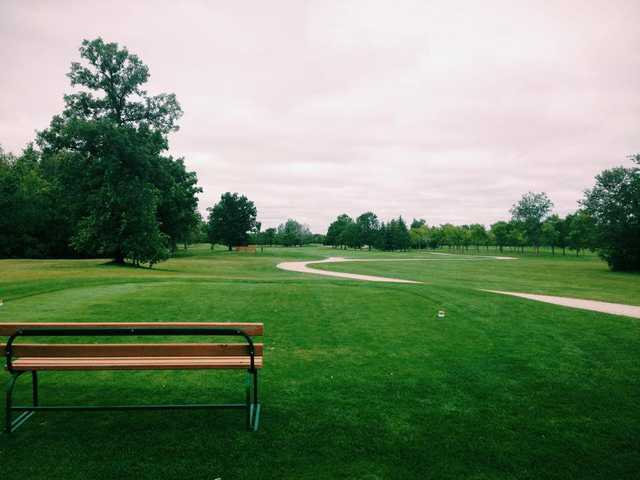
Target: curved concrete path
[302, 267]
[593, 305]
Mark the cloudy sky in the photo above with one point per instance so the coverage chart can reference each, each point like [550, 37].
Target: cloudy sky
[444, 110]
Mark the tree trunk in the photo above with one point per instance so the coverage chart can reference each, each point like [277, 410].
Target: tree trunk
[119, 258]
[230, 247]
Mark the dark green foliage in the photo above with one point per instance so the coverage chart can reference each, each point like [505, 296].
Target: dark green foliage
[368, 227]
[231, 220]
[530, 212]
[293, 233]
[614, 205]
[26, 206]
[269, 236]
[500, 231]
[334, 233]
[99, 182]
[118, 76]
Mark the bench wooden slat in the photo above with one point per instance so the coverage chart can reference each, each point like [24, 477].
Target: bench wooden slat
[132, 350]
[133, 363]
[251, 329]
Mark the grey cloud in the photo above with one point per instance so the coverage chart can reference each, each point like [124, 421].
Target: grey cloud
[442, 110]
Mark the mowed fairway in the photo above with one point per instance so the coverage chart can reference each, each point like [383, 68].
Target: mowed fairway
[361, 380]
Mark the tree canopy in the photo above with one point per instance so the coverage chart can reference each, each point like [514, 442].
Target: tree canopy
[231, 220]
[105, 186]
[614, 205]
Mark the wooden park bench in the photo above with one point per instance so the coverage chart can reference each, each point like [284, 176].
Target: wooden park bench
[37, 357]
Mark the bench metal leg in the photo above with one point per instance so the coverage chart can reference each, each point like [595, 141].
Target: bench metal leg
[10, 424]
[253, 407]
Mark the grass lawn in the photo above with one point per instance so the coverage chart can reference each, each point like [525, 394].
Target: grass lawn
[361, 380]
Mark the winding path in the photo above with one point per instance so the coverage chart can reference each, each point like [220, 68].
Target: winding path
[593, 305]
[303, 268]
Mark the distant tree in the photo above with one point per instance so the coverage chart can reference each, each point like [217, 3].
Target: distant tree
[269, 236]
[400, 235]
[334, 232]
[368, 225]
[417, 223]
[419, 235]
[293, 233]
[351, 236]
[551, 231]
[178, 204]
[531, 211]
[231, 220]
[477, 235]
[500, 231]
[580, 231]
[614, 205]
[517, 235]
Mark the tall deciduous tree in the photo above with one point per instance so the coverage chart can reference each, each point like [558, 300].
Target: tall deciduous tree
[231, 220]
[368, 225]
[531, 211]
[121, 197]
[614, 205]
[334, 233]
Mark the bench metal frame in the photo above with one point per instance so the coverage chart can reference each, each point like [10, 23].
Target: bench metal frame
[251, 406]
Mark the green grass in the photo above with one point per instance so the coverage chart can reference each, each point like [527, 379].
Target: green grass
[361, 380]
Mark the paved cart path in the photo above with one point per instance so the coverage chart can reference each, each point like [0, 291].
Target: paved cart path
[303, 268]
[593, 305]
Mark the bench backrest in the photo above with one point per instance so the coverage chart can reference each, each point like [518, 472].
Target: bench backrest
[132, 349]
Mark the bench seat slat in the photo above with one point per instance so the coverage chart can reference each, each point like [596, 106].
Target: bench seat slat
[251, 329]
[132, 349]
[133, 363]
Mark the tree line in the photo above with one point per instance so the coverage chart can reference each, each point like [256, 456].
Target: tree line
[531, 226]
[608, 221]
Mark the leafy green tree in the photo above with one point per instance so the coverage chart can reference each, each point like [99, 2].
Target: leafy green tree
[104, 154]
[178, 205]
[293, 233]
[517, 235]
[500, 231]
[551, 231]
[531, 210]
[419, 235]
[334, 233]
[26, 209]
[368, 225]
[400, 235]
[614, 205]
[477, 235]
[351, 236]
[114, 78]
[580, 231]
[417, 223]
[269, 236]
[231, 220]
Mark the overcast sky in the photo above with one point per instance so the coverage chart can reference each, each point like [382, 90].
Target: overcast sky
[437, 109]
